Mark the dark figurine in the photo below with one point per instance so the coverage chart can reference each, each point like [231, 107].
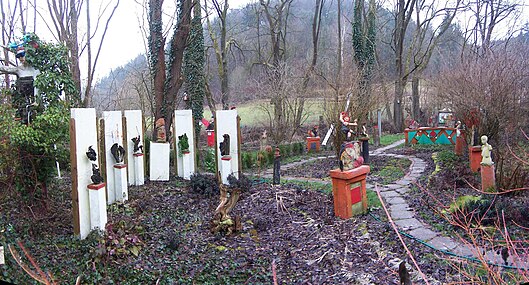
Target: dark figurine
[118, 152]
[225, 145]
[96, 175]
[138, 148]
[91, 154]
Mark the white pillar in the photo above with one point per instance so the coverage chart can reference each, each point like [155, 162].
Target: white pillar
[226, 123]
[184, 125]
[134, 128]
[113, 134]
[98, 206]
[187, 166]
[139, 174]
[226, 168]
[159, 161]
[120, 182]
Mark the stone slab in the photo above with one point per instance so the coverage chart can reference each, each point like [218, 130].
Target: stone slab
[409, 224]
[401, 215]
[400, 207]
[159, 161]
[464, 250]
[403, 190]
[443, 243]
[395, 200]
[387, 194]
[393, 186]
[424, 234]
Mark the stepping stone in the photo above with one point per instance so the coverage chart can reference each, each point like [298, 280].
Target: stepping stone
[464, 250]
[401, 215]
[403, 190]
[400, 156]
[395, 200]
[388, 194]
[443, 243]
[409, 224]
[404, 182]
[424, 234]
[399, 207]
[393, 186]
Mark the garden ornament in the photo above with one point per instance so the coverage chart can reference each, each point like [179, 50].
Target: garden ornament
[91, 154]
[485, 152]
[96, 175]
[346, 126]
[138, 148]
[118, 152]
[224, 146]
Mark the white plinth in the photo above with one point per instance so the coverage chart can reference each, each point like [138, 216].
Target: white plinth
[184, 125]
[113, 133]
[139, 172]
[120, 182]
[186, 165]
[159, 161]
[2, 259]
[226, 169]
[98, 206]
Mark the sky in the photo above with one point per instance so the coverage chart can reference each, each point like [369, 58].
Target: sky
[124, 39]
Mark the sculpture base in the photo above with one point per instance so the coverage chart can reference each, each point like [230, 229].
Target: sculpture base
[186, 165]
[98, 206]
[120, 182]
[460, 145]
[488, 178]
[139, 170]
[313, 144]
[349, 191]
[226, 168]
[159, 161]
[474, 155]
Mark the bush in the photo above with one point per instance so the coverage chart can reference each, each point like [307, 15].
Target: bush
[204, 184]
[209, 160]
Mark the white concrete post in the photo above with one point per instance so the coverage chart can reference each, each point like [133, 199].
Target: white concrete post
[184, 125]
[226, 123]
[159, 161]
[139, 174]
[113, 134]
[120, 182]
[98, 206]
[226, 168]
[134, 128]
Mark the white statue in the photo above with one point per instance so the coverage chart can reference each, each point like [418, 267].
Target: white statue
[485, 152]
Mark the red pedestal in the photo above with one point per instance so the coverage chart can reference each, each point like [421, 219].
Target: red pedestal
[313, 144]
[460, 145]
[211, 138]
[96, 186]
[474, 154]
[349, 191]
[488, 178]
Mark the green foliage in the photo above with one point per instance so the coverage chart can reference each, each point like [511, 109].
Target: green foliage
[447, 158]
[183, 144]
[372, 200]
[209, 160]
[193, 67]
[204, 184]
[462, 203]
[243, 183]
[55, 78]
[118, 242]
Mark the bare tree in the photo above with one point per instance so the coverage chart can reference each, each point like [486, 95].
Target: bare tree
[65, 18]
[168, 81]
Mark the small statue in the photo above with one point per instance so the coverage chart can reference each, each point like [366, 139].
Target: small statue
[91, 154]
[224, 146]
[485, 152]
[458, 128]
[346, 126]
[96, 175]
[118, 152]
[350, 156]
[160, 130]
[183, 143]
[138, 148]
[314, 131]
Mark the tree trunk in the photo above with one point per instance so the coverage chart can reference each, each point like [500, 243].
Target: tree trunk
[398, 116]
[73, 45]
[415, 106]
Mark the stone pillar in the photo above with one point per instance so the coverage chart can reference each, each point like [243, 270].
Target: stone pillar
[187, 168]
[365, 149]
[98, 206]
[159, 154]
[226, 168]
[120, 182]
[474, 154]
[488, 178]
[139, 173]
[313, 144]
[226, 123]
[277, 168]
[349, 191]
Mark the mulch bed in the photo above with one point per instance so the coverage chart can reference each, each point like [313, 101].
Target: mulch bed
[286, 225]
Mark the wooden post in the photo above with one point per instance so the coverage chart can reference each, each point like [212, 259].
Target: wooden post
[73, 163]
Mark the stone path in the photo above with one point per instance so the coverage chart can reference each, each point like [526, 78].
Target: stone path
[406, 218]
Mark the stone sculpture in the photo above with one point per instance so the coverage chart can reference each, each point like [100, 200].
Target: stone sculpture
[96, 175]
[91, 154]
[350, 157]
[160, 130]
[118, 152]
[138, 147]
[225, 145]
[485, 151]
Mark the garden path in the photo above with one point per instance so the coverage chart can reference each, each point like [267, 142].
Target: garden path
[406, 219]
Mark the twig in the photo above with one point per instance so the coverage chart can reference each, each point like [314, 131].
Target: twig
[274, 273]
[400, 237]
[319, 259]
